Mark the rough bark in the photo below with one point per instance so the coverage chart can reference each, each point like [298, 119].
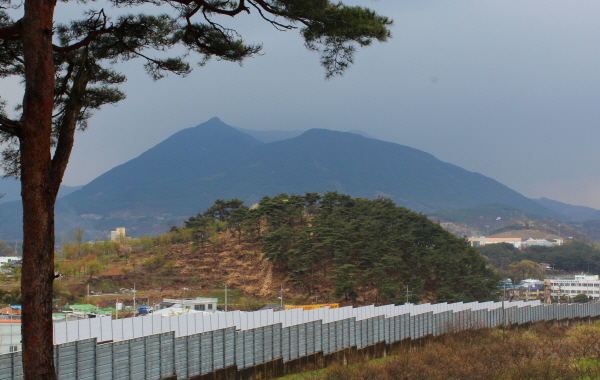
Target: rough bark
[38, 190]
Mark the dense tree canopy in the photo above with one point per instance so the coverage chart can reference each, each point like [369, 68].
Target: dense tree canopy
[362, 248]
[68, 72]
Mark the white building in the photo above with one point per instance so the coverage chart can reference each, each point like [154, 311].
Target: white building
[171, 311]
[198, 304]
[480, 241]
[8, 259]
[10, 336]
[118, 235]
[518, 239]
[580, 284]
[540, 242]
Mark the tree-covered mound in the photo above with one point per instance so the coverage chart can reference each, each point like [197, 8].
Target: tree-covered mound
[360, 248]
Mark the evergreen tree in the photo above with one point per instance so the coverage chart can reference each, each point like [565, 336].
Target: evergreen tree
[359, 244]
[68, 72]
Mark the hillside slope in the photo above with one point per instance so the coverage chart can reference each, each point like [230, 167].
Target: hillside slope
[575, 213]
[342, 248]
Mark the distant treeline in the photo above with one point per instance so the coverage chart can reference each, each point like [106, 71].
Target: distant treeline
[571, 257]
[358, 247]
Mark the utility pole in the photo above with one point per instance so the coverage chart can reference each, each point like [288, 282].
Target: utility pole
[226, 298]
[503, 316]
[407, 294]
[281, 296]
[134, 298]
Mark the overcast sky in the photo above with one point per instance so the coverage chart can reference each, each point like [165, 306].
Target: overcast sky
[506, 88]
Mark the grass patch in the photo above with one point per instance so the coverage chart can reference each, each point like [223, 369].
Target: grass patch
[541, 352]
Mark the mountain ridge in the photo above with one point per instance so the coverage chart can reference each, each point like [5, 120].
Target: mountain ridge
[190, 169]
[576, 213]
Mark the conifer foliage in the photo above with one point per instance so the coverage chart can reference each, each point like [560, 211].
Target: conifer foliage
[363, 248]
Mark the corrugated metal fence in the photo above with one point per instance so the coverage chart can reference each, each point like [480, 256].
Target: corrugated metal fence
[145, 348]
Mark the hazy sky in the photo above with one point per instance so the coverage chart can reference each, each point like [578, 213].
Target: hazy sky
[506, 88]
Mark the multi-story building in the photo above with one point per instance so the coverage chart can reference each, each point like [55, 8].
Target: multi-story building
[529, 289]
[579, 284]
[480, 241]
[518, 239]
[118, 235]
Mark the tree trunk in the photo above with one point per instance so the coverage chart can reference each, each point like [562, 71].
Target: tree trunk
[36, 281]
[38, 191]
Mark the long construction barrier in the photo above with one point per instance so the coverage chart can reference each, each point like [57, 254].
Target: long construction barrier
[192, 345]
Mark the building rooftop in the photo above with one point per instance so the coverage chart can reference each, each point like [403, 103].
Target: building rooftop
[525, 234]
[83, 307]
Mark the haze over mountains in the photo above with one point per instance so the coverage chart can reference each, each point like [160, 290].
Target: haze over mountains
[576, 213]
[188, 171]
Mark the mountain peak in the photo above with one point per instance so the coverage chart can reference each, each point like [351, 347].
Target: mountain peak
[214, 123]
[186, 172]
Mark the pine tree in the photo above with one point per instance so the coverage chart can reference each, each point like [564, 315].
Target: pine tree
[363, 245]
[68, 72]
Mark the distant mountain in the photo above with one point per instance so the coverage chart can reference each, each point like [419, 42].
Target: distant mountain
[278, 135]
[188, 171]
[575, 213]
[487, 218]
[11, 189]
[271, 136]
[362, 133]
[483, 214]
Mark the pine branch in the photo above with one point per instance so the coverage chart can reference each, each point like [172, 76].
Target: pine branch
[84, 42]
[11, 32]
[231, 12]
[9, 126]
[277, 25]
[68, 123]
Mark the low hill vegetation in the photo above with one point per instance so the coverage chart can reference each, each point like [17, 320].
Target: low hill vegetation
[368, 249]
[330, 248]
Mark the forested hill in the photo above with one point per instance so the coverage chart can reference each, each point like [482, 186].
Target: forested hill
[193, 167]
[354, 248]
